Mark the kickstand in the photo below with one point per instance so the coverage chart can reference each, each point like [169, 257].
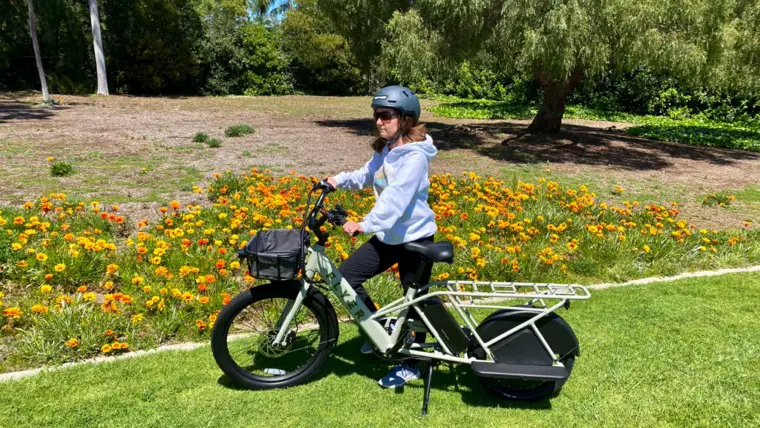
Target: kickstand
[428, 381]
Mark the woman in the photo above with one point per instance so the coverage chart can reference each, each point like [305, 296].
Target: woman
[398, 172]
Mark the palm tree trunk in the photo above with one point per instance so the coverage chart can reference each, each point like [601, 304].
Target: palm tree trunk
[37, 56]
[100, 61]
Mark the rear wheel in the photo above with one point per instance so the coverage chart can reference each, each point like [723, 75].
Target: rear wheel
[525, 390]
[524, 347]
[244, 332]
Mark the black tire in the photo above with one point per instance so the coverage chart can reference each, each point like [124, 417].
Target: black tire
[522, 390]
[249, 360]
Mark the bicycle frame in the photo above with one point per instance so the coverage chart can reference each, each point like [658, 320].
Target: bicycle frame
[457, 294]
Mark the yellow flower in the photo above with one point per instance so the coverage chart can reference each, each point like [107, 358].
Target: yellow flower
[44, 289]
[41, 257]
[40, 309]
[16, 246]
[60, 267]
[89, 297]
[136, 319]
[105, 349]
[646, 248]
[72, 343]
[110, 269]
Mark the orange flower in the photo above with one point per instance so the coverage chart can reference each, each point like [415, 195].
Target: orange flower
[13, 312]
[82, 289]
[109, 332]
[110, 269]
[40, 309]
[72, 343]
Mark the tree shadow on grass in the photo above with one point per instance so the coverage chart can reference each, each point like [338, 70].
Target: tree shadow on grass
[574, 144]
[11, 109]
[346, 359]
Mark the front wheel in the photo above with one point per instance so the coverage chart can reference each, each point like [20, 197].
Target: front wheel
[244, 332]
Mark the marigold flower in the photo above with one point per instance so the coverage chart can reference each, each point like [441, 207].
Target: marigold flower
[109, 332]
[60, 267]
[111, 269]
[41, 257]
[40, 309]
[44, 289]
[81, 288]
[14, 312]
[105, 349]
[89, 297]
[72, 343]
[136, 319]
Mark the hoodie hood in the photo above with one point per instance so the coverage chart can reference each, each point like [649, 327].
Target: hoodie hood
[425, 147]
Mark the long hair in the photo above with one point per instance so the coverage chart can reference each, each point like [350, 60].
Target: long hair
[411, 131]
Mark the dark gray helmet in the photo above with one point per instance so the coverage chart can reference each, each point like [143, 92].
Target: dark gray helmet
[399, 98]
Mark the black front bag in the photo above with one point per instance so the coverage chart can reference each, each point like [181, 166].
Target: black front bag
[275, 255]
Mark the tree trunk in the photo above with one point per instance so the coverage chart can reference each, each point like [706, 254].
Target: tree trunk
[100, 61]
[37, 56]
[549, 117]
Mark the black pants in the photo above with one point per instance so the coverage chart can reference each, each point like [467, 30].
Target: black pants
[375, 257]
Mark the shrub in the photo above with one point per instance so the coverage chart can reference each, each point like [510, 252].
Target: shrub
[239, 130]
[201, 137]
[718, 199]
[214, 143]
[61, 169]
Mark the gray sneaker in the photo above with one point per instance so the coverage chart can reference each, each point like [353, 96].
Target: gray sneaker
[399, 376]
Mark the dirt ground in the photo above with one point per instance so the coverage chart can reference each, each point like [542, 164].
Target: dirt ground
[138, 151]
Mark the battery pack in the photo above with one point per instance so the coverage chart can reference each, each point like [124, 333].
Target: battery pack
[445, 324]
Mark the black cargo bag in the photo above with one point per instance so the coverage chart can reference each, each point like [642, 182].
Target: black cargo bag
[275, 255]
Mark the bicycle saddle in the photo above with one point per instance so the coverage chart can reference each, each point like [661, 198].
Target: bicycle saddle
[432, 251]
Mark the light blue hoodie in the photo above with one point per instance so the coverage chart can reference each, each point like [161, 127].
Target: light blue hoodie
[399, 178]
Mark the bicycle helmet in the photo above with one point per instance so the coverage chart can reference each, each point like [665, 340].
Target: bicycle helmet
[400, 98]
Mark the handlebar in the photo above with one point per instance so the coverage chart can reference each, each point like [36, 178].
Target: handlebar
[336, 216]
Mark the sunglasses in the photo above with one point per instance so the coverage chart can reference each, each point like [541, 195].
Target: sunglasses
[384, 115]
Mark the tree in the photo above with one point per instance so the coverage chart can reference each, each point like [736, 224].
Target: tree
[560, 43]
[100, 60]
[320, 59]
[263, 10]
[37, 56]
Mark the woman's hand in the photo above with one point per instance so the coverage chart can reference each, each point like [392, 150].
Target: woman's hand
[352, 228]
[331, 181]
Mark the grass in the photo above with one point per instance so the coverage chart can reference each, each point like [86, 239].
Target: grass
[695, 130]
[675, 354]
[239, 130]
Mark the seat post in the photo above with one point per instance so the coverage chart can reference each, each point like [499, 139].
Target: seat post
[420, 271]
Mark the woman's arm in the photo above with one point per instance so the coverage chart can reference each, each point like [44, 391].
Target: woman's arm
[362, 177]
[397, 196]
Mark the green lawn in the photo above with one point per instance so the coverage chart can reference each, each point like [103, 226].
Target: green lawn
[674, 354]
[697, 130]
